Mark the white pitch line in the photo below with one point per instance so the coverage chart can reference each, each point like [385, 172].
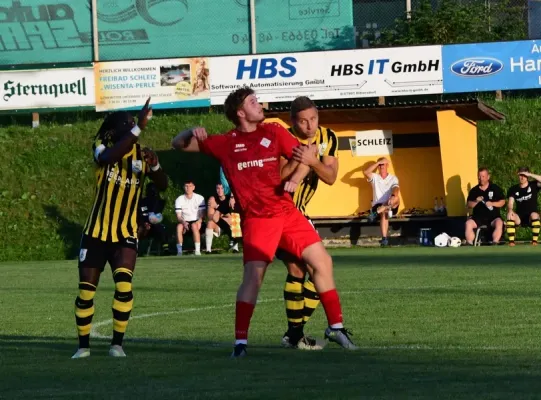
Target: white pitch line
[95, 334]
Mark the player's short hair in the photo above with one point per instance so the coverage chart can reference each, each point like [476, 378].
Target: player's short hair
[234, 102]
[481, 169]
[523, 169]
[381, 159]
[301, 103]
[188, 181]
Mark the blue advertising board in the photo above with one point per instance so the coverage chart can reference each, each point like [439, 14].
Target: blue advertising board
[492, 66]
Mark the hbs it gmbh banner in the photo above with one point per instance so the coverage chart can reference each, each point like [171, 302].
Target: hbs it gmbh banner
[492, 66]
[59, 31]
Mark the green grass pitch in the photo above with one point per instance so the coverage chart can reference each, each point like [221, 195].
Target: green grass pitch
[431, 323]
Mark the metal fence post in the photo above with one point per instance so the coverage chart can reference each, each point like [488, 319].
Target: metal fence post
[253, 31]
[95, 41]
[408, 9]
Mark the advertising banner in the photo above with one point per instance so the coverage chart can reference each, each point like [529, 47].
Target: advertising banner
[45, 31]
[59, 31]
[492, 66]
[374, 143]
[172, 83]
[330, 75]
[54, 88]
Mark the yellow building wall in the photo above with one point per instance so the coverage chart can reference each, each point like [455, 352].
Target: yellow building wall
[419, 171]
[458, 146]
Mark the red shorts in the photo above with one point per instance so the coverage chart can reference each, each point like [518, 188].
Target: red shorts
[262, 236]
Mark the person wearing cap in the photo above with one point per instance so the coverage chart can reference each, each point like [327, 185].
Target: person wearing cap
[524, 195]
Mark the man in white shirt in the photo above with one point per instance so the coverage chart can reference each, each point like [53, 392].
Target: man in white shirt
[385, 198]
[190, 209]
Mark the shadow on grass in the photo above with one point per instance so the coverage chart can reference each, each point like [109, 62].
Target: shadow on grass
[460, 259]
[69, 231]
[203, 370]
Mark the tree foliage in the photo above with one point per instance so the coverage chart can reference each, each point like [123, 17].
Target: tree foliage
[455, 21]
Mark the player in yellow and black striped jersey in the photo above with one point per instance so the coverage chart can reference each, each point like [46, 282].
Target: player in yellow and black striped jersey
[321, 155]
[326, 145]
[110, 233]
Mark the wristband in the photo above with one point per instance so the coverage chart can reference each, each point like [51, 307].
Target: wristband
[155, 168]
[136, 130]
[100, 149]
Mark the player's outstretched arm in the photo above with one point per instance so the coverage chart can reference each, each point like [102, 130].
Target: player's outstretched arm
[124, 145]
[292, 173]
[188, 140]
[300, 173]
[287, 167]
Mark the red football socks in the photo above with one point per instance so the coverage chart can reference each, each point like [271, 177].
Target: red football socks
[331, 304]
[243, 316]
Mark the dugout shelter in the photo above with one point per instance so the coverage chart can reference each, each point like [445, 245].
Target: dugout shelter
[433, 152]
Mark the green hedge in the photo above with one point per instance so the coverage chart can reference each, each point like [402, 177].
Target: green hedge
[46, 185]
[504, 147]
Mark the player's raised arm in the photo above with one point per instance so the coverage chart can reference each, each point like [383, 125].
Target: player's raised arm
[534, 176]
[120, 130]
[188, 140]
[369, 172]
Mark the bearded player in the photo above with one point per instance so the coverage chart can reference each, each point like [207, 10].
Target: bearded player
[110, 233]
[250, 156]
[321, 155]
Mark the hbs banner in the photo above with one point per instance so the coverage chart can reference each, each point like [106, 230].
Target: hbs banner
[492, 66]
[58, 31]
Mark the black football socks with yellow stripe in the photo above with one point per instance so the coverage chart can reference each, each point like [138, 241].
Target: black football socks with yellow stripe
[84, 311]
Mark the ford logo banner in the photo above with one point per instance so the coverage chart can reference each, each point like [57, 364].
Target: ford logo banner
[476, 66]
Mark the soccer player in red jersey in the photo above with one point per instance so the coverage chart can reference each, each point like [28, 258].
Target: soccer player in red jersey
[250, 156]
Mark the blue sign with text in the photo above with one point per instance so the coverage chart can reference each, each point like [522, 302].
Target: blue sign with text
[492, 66]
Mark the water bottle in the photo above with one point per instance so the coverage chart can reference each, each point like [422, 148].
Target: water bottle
[443, 207]
[436, 208]
[428, 236]
[490, 208]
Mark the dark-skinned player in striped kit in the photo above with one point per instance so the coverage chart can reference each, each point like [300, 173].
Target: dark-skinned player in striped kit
[110, 233]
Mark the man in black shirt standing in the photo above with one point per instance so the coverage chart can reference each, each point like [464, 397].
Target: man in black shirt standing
[485, 200]
[525, 196]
